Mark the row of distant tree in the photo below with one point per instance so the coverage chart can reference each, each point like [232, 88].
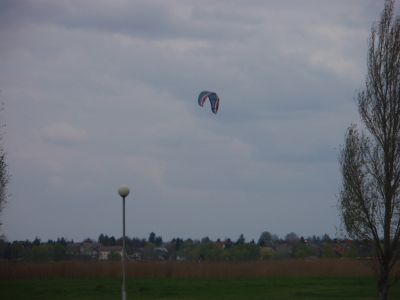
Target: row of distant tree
[268, 246]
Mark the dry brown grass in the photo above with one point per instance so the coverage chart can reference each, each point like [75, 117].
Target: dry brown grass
[283, 268]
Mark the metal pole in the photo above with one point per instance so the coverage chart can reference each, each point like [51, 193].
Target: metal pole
[123, 250]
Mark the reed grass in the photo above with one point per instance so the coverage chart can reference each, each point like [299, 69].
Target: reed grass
[216, 270]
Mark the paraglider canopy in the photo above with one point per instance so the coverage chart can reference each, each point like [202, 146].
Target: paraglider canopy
[214, 100]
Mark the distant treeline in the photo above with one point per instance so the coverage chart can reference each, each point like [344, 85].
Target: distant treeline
[154, 248]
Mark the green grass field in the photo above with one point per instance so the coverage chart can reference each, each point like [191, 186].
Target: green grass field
[186, 289]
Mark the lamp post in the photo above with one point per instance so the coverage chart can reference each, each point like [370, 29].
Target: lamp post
[123, 191]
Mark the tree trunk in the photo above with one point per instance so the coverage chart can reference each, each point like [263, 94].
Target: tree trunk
[383, 285]
[384, 293]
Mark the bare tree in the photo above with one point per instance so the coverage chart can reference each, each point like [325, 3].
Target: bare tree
[370, 159]
[4, 175]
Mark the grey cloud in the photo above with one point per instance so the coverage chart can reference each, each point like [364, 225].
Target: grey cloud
[64, 132]
[146, 19]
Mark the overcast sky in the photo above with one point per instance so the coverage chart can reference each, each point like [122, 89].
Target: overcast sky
[103, 93]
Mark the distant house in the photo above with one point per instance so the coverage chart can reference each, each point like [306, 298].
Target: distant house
[106, 251]
[73, 249]
[138, 256]
[87, 249]
[90, 249]
[219, 244]
[162, 253]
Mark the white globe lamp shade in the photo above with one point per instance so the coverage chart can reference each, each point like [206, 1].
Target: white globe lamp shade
[123, 191]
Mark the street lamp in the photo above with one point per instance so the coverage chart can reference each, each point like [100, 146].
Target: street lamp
[123, 191]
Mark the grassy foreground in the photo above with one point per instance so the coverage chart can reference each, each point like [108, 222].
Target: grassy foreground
[186, 289]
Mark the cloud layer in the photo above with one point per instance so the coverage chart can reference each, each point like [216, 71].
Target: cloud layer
[100, 94]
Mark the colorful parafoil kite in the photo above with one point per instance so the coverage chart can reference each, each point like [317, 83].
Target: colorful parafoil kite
[213, 97]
